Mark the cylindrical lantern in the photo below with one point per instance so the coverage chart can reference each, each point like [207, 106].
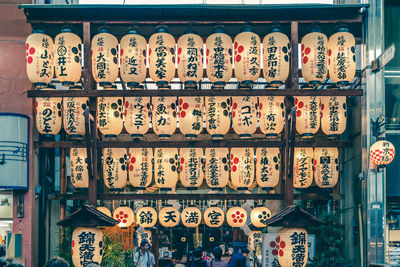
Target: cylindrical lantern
[146, 217]
[271, 114]
[214, 217]
[67, 58]
[145, 235]
[326, 170]
[124, 215]
[308, 114]
[164, 116]
[333, 115]
[73, 114]
[191, 167]
[303, 167]
[254, 240]
[140, 167]
[217, 167]
[191, 116]
[169, 216]
[259, 216]
[190, 59]
[133, 58]
[48, 114]
[166, 167]
[218, 120]
[314, 56]
[276, 60]
[236, 217]
[342, 56]
[137, 115]
[86, 246]
[39, 58]
[110, 115]
[162, 57]
[242, 167]
[78, 168]
[219, 57]
[114, 168]
[247, 47]
[191, 217]
[293, 247]
[104, 57]
[105, 211]
[382, 153]
[244, 115]
[268, 166]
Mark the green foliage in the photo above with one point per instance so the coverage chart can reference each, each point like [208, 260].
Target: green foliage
[64, 248]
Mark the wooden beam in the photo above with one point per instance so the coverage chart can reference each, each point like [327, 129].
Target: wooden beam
[87, 59]
[294, 59]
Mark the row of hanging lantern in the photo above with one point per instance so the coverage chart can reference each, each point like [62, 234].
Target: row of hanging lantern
[245, 51]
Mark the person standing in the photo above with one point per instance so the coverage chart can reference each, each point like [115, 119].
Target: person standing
[239, 259]
[143, 257]
[217, 261]
[198, 259]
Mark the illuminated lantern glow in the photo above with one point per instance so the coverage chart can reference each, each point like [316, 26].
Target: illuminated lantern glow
[271, 114]
[169, 217]
[140, 167]
[137, 115]
[293, 247]
[191, 217]
[78, 168]
[162, 57]
[308, 113]
[191, 167]
[333, 115]
[73, 114]
[259, 216]
[67, 58]
[236, 217]
[115, 174]
[105, 211]
[342, 56]
[244, 115]
[104, 57]
[124, 215]
[247, 47]
[166, 168]
[110, 115]
[146, 217]
[254, 240]
[314, 56]
[242, 167]
[268, 167]
[326, 169]
[218, 120]
[219, 57]
[145, 235]
[191, 116]
[190, 59]
[382, 153]
[276, 51]
[39, 58]
[133, 58]
[86, 246]
[48, 114]
[214, 217]
[164, 116]
[217, 167]
[303, 167]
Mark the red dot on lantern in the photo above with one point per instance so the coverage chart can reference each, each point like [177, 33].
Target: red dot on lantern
[242, 215]
[149, 51]
[182, 160]
[179, 50]
[185, 105]
[133, 160]
[233, 114]
[236, 161]
[122, 51]
[125, 112]
[298, 113]
[274, 252]
[281, 253]
[183, 114]
[260, 106]
[131, 167]
[301, 104]
[126, 216]
[73, 243]
[307, 51]
[282, 244]
[302, 47]
[237, 212]
[233, 215]
[238, 58]
[30, 59]
[231, 156]
[72, 252]
[31, 50]
[278, 239]
[27, 54]
[240, 220]
[329, 52]
[236, 45]
[234, 220]
[179, 60]
[27, 46]
[119, 220]
[296, 100]
[180, 101]
[305, 60]
[207, 52]
[234, 105]
[206, 60]
[234, 168]
[121, 212]
[180, 168]
[123, 221]
[240, 49]
[126, 104]
[272, 244]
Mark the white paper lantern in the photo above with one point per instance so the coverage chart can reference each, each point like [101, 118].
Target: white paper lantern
[382, 153]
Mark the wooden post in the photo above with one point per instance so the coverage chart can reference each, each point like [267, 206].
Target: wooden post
[63, 190]
[294, 43]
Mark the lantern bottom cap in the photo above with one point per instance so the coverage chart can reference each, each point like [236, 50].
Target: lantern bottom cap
[139, 188]
[242, 188]
[48, 135]
[314, 83]
[110, 135]
[267, 188]
[67, 83]
[245, 84]
[114, 189]
[76, 136]
[190, 83]
[217, 136]
[343, 83]
[165, 189]
[190, 135]
[333, 136]
[160, 83]
[219, 84]
[136, 135]
[191, 188]
[276, 83]
[164, 135]
[40, 84]
[244, 135]
[217, 188]
[307, 135]
[133, 85]
[271, 134]
[105, 84]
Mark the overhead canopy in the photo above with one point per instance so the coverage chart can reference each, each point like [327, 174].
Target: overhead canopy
[87, 216]
[294, 216]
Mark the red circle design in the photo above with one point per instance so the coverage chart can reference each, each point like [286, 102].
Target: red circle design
[234, 168]
[301, 104]
[329, 52]
[149, 51]
[274, 252]
[241, 215]
[281, 253]
[240, 220]
[27, 46]
[179, 51]
[131, 167]
[305, 60]
[31, 50]
[121, 212]
[237, 212]
[207, 52]
[298, 113]
[126, 216]
[233, 215]
[124, 221]
[282, 244]
[233, 114]
[322, 106]
[122, 52]
[260, 106]
[180, 101]
[302, 47]
[183, 114]
[236, 45]
[296, 100]
[234, 220]
[234, 105]
[238, 58]
[272, 244]
[126, 104]
[179, 60]
[240, 49]
[30, 60]
[182, 160]
[307, 51]
[185, 105]
[133, 159]
[236, 161]
[73, 243]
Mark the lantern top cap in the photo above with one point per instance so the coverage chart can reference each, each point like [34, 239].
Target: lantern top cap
[294, 216]
[342, 28]
[104, 29]
[133, 30]
[162, 28]
[67, 28]
[38, 29]
[190, 30]
[88, 216]
[315, 28]
[246, 28]
[219, 29]
[275, 28]
[50, 86]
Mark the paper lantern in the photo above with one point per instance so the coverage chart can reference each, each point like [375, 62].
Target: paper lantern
[137, 115]
[276, 61]
[254, 240]
[214, 217]
[244, 115]
[218, 120]
[73, 114]
[247, 47]
[145, 235]
[78, 167]
[191, 116]
[219, 57]
[133, 58]
[162, 57]
[259, 216]
[39, 58]
[105, 211]
[169, 216]
[314, 56]
[242, 167]
[110, 113]
[191, 167]
[67, 57]
[236, 217]
[190, 59]
[164, 116]
[104, 57]
[308, 114]
[124, 215]
[48, 114]
[217, 167]
[326, 171]
[191, 217]
[268, 167]
[140, 167]
[146, 217]
[271, 114]
[303, 167]
[382, 153]
[342, 56]
[166, 168]
[293, 247]
[86, 246]
[333, 115]
[114, 168]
